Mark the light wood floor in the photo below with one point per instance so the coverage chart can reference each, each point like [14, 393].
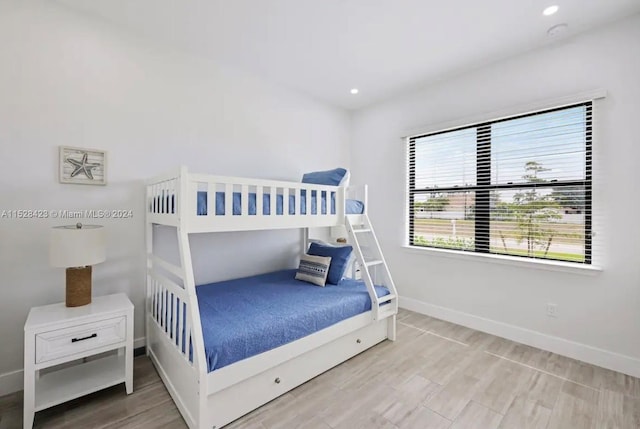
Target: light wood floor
[436, 375]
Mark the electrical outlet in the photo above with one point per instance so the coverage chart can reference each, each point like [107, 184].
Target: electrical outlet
[552, 310]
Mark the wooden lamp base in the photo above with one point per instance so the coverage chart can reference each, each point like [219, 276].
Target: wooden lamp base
[78, 290]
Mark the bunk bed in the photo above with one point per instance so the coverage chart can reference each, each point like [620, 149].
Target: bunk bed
[226, 348]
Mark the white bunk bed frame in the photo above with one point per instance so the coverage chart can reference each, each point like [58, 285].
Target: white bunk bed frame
[213, 399]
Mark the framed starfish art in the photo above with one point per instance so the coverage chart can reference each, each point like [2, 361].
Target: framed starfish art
[83, 166]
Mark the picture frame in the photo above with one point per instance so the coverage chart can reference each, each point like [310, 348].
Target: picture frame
[82, 166]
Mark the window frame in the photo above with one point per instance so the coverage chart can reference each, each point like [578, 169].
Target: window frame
[483, 186]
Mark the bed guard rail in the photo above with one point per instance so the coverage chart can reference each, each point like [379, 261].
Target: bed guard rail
[208, 203]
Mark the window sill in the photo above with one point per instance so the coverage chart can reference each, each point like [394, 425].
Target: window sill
[566, 267]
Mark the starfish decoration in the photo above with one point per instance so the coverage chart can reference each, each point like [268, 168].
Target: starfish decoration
[82, 166]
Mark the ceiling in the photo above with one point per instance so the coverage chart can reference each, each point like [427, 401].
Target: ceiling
[382, 47]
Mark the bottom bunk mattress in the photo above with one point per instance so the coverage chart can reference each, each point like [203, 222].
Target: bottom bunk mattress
[245, 317]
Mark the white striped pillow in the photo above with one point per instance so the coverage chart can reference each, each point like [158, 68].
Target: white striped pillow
[314, 269]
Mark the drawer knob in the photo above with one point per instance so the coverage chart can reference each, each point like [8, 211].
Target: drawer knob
[277, 380]
[358, 341]
[75, 340]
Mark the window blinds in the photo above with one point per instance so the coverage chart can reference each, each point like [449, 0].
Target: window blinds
[518, 186]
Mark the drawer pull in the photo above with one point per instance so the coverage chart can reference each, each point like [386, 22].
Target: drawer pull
[75, 340]
[358, 341]
[277, 380]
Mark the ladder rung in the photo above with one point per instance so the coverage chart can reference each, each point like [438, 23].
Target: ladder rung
[372, 263]
[360, 231]
[386, 298]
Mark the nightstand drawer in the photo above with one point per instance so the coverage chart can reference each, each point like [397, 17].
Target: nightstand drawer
[77, 339]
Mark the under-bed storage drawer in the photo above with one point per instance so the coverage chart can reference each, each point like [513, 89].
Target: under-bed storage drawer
[78, 339]
[262, 388]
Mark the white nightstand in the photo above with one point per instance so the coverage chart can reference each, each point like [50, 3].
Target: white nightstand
[55, 335]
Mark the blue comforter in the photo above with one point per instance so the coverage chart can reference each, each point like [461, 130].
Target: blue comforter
[244, 317]
[352, 206]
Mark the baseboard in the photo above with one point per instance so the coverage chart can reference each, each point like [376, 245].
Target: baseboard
[11, 382]
[593, 355]
[139, 343]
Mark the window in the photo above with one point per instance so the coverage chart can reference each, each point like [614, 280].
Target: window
[519, 186]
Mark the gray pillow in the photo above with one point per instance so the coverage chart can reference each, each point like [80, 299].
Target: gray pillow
[313, 269]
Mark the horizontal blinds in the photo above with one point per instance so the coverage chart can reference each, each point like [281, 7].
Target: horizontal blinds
[520, 186]
[554, 141]
[446, 160]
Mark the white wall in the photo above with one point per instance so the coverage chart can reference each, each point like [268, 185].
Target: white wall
[66, 79]
[600, 313]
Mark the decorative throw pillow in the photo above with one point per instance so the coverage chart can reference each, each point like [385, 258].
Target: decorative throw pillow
[340, 256]
[335, 177]
[313, 269]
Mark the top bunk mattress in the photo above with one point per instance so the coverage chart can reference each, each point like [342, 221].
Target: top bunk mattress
[351, 206]
[245, 317]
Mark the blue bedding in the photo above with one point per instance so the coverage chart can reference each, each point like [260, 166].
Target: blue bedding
[245, 317]
[352, 206]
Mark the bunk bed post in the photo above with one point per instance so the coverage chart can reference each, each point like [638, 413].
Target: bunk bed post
[149, 247]
[365, 199]
[341, 205]
[199, 360]
[391, 327]
[305, 240]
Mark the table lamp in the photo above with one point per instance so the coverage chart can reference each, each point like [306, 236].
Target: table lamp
[77, 248]
[339, 233]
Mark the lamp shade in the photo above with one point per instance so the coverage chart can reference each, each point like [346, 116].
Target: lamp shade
[77, 245]
[338, 231]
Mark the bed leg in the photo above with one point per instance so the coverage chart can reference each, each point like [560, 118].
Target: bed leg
[391, 328]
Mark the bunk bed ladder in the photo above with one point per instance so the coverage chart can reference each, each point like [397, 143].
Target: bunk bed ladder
[373, 267]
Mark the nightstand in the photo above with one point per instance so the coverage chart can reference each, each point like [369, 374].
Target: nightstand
[72, 351]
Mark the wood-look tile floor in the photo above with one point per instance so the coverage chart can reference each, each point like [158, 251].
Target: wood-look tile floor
[436, 375]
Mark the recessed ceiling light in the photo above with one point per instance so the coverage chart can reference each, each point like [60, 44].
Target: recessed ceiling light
[550, 10]
[354, 91]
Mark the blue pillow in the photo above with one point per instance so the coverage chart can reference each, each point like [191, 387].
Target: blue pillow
[329, 177]
[339, 259]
